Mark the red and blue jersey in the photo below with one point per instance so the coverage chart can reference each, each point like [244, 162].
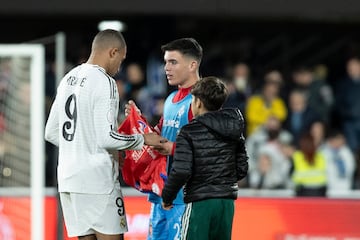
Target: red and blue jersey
[175, 116]
[177, 113]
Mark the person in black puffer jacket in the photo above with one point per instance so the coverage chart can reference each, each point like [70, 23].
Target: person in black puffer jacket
[210, 157]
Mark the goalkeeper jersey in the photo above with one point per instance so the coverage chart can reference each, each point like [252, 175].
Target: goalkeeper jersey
[83, 123]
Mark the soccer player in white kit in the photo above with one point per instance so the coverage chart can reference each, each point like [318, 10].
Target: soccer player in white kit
[82, 123]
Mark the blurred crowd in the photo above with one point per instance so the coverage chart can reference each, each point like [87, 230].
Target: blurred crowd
[301, 134]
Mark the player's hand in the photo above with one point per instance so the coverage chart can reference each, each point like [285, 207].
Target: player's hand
[167, 206]
[166, 148]
[128, 107]
[154, 140]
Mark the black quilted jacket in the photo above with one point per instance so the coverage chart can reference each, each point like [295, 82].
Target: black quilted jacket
[210, 158]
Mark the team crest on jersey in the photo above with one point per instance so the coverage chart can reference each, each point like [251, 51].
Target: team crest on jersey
[122, 223]
[142, 125]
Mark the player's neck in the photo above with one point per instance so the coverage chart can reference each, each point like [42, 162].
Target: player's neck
[96, 60]
[190, 81]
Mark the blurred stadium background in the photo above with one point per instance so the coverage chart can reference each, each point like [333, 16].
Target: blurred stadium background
[302, 44]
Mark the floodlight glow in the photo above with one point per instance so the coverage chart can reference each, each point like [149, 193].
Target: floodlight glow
[115, 25]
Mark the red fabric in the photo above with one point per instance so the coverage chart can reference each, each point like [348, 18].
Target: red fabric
[143, 169]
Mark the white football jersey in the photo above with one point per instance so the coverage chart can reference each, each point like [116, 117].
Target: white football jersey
[83, 124]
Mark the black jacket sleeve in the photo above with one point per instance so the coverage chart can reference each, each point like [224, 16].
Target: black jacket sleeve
[181, 168]
[241, 160]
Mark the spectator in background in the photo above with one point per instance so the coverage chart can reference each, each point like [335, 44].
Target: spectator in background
[317, 131]
[340, 162]
[348, 103]
[268, 164]
[136, 80]
[300, 116]
[271, 167]
[320, 72]
[287, 148]
[158, 110]
[270, 131]
[121, 87]
[268, 103]
[274, 76]
[239, 87]
[319, 94]
[308, 169]
[138, 90]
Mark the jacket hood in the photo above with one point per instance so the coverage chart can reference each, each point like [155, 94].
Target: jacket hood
[228, 122]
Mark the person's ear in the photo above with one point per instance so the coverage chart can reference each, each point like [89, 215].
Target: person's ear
[113, 52]
[198, 103]
[193, 66]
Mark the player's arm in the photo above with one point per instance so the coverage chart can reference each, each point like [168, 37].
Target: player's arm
[181, 168]
[242, 165]
[105, 122]
[52, 125]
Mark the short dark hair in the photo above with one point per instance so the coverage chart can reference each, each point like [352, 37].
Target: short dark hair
[211, 91]
[109, 38]
[187, 46]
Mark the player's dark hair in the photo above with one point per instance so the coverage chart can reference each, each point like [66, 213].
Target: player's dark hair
[109, 37]
[187, 46]
[211, 91]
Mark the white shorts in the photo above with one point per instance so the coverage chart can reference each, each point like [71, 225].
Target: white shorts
[86, 213]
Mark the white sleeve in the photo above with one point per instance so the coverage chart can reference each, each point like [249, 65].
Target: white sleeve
[52, 125]
[105, 113]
